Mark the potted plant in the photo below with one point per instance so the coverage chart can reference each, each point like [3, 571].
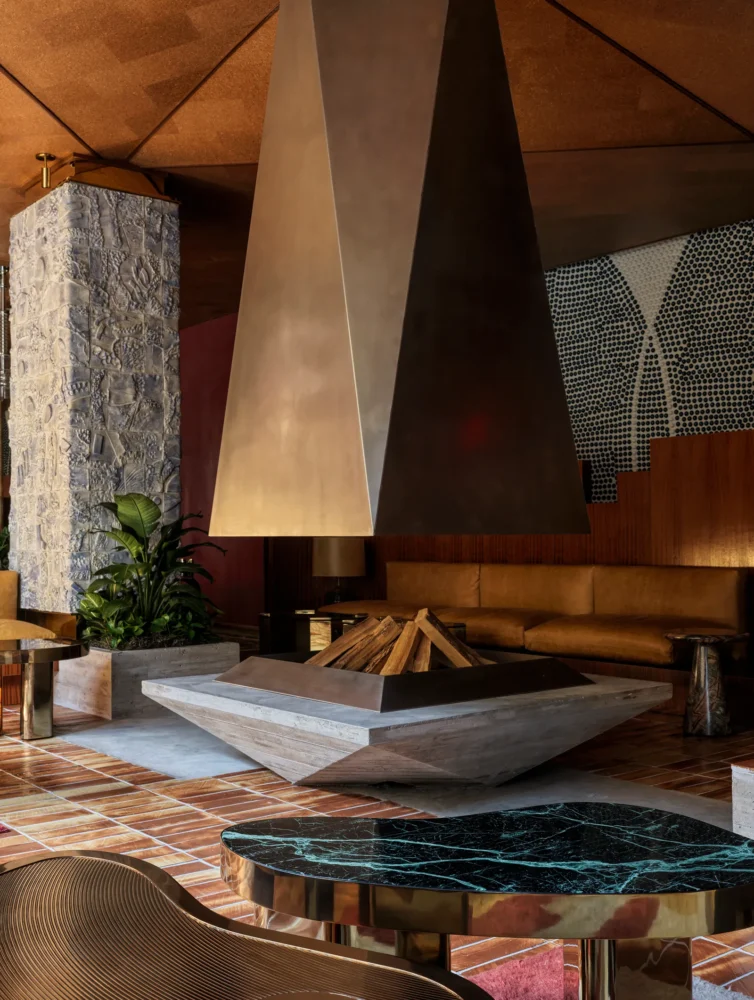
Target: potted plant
[144, 615]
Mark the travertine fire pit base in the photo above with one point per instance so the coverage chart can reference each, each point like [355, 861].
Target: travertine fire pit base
[484, 742]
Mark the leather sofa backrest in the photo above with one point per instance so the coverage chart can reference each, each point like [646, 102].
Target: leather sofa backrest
[711, 594]
[434, 584]
[566, 590]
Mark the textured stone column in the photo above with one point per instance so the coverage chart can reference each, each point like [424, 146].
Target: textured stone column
[95, 391]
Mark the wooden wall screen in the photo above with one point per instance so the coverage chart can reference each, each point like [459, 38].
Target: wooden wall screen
[694, 508]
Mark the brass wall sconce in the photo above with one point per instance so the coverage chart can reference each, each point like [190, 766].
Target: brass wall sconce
[46, 159]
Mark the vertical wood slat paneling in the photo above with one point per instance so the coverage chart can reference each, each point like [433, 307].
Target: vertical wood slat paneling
[694, 508]
[620, 534]
[702, 500]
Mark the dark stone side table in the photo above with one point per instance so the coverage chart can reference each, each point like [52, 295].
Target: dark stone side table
[706, 708]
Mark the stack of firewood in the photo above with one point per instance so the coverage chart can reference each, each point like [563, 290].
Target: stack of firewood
[390, 647]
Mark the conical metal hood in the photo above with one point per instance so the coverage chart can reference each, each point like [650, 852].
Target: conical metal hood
[395, 368]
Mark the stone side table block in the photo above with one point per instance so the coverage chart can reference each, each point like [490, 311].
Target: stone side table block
[743, 799]
[107, 683]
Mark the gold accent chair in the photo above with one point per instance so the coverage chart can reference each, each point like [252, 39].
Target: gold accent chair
[84, 925]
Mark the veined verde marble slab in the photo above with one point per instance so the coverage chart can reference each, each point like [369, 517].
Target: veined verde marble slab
[563, 849]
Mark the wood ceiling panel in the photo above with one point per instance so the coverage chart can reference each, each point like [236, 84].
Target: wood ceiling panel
[572, 90]
[706, 46]
[25, 129]
[586, 203]
[113, 70]
[592, 202]
[222, 122]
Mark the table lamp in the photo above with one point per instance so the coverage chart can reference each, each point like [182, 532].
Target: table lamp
[337, 558]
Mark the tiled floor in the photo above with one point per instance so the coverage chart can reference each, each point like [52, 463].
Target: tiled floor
[653, 751]
[56, 795]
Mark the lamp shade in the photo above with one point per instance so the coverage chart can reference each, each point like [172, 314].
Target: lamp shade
[338, 557]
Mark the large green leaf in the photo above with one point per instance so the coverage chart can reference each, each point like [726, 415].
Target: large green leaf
[130, 543]
[137, 512]
[155, 590]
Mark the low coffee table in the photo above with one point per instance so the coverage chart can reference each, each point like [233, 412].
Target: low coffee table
[37, 658]
[634, 885]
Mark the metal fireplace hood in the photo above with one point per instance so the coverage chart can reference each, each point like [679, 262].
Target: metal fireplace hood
[395, 368]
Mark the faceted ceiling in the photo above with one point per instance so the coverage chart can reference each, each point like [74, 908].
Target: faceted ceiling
[636, 119]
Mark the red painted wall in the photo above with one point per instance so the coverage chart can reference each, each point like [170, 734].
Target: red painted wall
[206, 354]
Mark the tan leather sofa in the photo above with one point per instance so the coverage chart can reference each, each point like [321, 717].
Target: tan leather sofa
[614, 613]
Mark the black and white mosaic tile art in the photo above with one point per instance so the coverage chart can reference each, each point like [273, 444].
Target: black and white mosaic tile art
[655, 342]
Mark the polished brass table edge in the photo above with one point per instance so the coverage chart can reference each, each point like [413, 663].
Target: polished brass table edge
[550, 916]
[196, 910]
[63, 651]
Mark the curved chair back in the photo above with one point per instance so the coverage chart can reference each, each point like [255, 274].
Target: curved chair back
[86, 925]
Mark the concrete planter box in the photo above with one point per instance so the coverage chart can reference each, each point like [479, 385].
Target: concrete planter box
[107, 683]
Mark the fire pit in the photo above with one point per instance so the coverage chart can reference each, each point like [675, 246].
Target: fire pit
[387, 666]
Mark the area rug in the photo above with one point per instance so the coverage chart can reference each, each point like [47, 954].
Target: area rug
[165, 743]
[541, 978]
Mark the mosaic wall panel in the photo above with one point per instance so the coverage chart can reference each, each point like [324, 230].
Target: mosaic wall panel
[655, 342]
[95, 390]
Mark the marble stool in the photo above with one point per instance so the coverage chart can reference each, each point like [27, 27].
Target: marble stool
[706, 708]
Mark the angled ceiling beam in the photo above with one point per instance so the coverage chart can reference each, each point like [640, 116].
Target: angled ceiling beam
[204, 79]
[582, 22]
[29, 93]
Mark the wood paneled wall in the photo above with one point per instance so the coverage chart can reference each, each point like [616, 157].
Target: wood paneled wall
[695, 507]
[702, 500]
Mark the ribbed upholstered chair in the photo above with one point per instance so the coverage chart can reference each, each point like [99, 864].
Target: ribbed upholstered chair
[92, 926]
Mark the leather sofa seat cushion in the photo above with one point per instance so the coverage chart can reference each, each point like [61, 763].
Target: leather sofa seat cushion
[564, 590]
[398, 609]
[493, 627]
[434, 584]
[626, 638]
[690, 592]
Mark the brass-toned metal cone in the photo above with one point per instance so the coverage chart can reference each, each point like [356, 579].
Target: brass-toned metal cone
[395, 368]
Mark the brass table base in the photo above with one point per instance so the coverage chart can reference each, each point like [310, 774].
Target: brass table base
[414, 946]
[635, 969]
[36, 701]
[608, 969]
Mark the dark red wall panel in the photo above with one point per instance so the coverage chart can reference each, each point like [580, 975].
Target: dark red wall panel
[206, 354]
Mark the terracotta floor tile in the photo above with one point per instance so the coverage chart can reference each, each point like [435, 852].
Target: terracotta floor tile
[182, 868]
[207, 873]
[240, 910]
[276, 811]
[705, 949]
[725, 968]
[736, 939]
[744, 986]
[490, 955]
[368, 810]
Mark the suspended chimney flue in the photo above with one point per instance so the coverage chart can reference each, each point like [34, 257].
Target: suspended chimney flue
[395, 368]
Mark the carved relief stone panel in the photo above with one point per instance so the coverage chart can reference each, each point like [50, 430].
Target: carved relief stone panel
[95, 390]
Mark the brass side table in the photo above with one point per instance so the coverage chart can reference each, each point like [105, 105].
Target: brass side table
[37, 658]
[706, 708]
[634, 885]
